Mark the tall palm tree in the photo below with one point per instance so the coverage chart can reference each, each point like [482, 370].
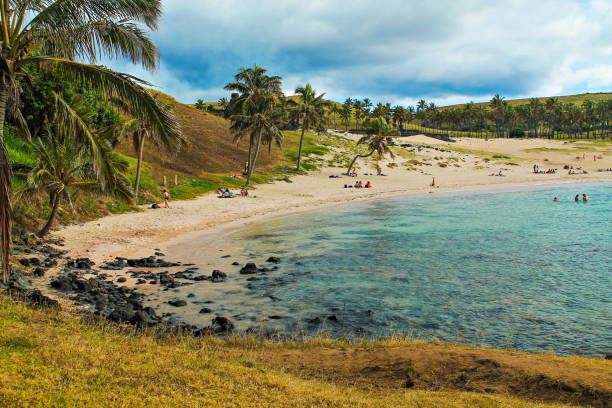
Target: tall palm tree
[334, 109]
[498, 105]
[251, 112]
[62, 34]
[310, 110]
[346, 111]
[378, 138]
[366, 105]
[140, 130]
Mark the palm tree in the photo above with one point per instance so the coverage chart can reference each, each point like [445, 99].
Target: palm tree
[64, 165]
[366, 105]
[377, 138]
[251, 112]
[334, 109]
[61, 34]
[498, 105]
[200, 104]
[346, 111]
[310, 110]
[140, 130]
[358, 112]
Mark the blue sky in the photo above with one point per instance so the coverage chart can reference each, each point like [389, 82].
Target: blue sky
[396, 51]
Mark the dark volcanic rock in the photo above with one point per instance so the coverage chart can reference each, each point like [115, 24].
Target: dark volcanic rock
[177, 303]
[248, 269]
[273, 259]
[119, 304]
[201, 278]
[236, 263]
[150, 262]
[314, 320]
[205, 310]
[80, 263]
[332, 318]
[116, 265]
[218, 276]
[222, 324]
[39, 272]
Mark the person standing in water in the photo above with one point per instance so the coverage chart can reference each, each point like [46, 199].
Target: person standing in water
[166, 198]
[585, 197]
[577, 198]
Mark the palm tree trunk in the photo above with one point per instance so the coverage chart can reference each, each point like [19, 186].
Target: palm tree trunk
[5, 186]
[357, 157]
[139, 165]
[248, 164]
[252, 162]
[301, 141]
[45, 230]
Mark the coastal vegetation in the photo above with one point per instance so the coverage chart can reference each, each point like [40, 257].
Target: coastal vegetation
[39, 34]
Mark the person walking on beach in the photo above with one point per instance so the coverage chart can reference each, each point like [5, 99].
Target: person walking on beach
[166, 198]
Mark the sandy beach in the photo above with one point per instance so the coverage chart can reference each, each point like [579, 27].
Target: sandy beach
[468, 166]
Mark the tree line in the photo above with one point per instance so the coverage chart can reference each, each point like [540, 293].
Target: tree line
[549, 118]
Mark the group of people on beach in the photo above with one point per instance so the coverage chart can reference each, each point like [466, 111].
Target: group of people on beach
[536, 170]
[223, 192]
[359, 184]
[585, 198]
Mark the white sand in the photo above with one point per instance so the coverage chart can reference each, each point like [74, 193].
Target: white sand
[136, 234]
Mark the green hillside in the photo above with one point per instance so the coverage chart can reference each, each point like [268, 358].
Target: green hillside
[576, 99]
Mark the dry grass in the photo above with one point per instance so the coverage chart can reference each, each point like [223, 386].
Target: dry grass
[50, 360]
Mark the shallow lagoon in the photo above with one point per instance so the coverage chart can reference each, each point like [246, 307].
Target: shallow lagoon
[508, 269]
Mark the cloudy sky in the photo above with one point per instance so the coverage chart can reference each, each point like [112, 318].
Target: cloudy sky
[397, 51]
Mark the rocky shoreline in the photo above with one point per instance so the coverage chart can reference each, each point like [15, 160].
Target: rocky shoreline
[98, 293]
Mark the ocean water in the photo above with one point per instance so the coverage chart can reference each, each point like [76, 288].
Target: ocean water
[504, 269]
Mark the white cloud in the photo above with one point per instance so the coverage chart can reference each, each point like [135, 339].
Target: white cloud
[395, 50]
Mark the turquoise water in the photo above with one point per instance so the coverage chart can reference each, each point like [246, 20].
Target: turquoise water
[506, 269]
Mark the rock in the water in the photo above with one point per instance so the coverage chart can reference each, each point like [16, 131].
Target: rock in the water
[205, 310]
[201, 278]
[177, 303]
[314, 320]
[218, 276]
[121, 279]
[248, 269]
[273, 259]
[235, 263]
[332, 318]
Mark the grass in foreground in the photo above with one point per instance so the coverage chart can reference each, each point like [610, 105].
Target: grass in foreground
[50, 359]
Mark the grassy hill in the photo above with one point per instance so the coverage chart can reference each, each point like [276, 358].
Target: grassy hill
[50, 359]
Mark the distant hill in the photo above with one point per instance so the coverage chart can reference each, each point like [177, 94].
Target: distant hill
[577, 99]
